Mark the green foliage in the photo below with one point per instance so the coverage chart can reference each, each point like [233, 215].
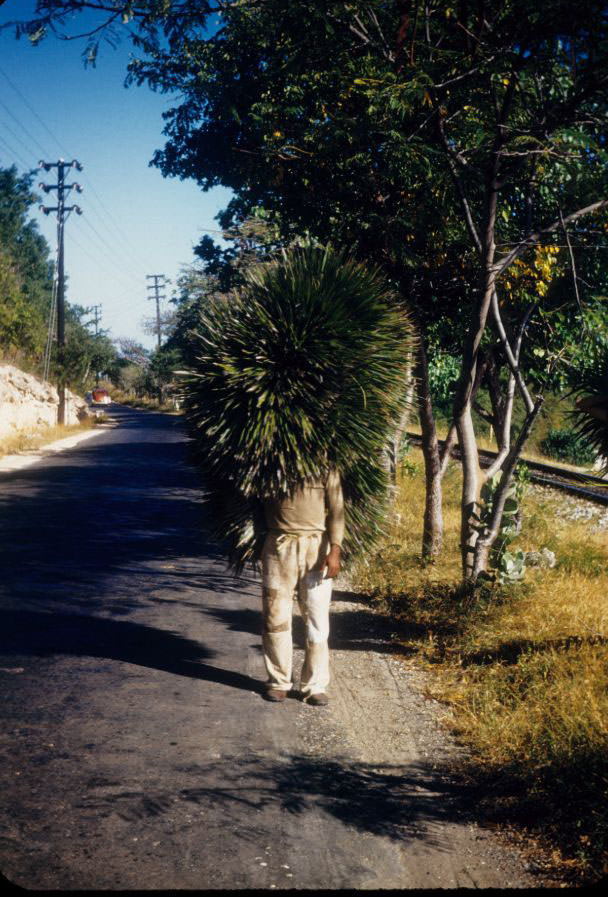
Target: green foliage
[21, 325]
[565, 444]
[25, 274]
[444, 371]
[26, 285]
[591, 414]
[508, 567]
[303, 370]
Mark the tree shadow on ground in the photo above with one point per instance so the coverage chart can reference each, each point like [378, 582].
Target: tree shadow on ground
[510, 652]
[33, 634]
[350, 630]
[398, 802]
[109, 525]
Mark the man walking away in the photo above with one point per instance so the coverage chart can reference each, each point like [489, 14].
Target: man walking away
[301, 554]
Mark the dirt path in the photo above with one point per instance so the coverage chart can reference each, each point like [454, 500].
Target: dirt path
[135, 749]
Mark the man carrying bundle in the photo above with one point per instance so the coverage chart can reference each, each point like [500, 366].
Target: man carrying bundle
[301, 553]
[296, 386]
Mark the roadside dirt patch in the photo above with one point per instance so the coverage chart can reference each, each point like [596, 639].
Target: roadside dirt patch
[401, 762]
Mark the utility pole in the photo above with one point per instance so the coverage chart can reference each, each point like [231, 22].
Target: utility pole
[157, 286]
[62, 213]
[96, 309]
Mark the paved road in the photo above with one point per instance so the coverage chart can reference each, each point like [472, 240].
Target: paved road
[135, 750]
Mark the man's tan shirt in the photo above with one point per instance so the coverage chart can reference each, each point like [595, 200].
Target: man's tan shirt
[314, 508]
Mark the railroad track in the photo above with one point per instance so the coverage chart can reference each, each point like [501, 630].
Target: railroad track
[589, 487]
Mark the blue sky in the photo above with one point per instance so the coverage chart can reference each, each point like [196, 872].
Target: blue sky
[134, 222]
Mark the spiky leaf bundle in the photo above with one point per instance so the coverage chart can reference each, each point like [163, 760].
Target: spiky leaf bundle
[303, 370]
[591, 414]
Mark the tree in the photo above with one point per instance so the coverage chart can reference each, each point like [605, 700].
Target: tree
[506, 103]
[447, 144]
[86, 354]
[132, 351]
[167, 324]
[25, 271]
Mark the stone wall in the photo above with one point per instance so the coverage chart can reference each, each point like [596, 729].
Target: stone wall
[27, 403]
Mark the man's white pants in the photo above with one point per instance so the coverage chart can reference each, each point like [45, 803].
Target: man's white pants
[290, 564]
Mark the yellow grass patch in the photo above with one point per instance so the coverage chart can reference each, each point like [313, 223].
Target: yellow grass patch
[31, 439]
[523, 669]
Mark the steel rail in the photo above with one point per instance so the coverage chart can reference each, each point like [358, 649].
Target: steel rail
[546, 475]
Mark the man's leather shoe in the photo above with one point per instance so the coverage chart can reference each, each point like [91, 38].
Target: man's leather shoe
[274, 694]
[318, 700]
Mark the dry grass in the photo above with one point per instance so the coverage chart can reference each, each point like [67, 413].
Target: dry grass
[145, 402]
[523, 670]
[31, 439]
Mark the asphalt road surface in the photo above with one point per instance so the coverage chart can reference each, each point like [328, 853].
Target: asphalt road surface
[135, 749]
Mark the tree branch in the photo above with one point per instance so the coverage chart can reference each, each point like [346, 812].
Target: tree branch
[572, 262]
[536, 237]
[451, 153]
[513, 358]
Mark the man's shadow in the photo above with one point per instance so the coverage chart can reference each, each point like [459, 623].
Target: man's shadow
[31, 633]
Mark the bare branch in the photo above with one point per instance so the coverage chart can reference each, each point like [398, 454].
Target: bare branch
[361, 24]
[451, 154]
[500, 495]
[466, 74]
[386, 50]
[447, 448]
[513, 359]
[572, 262]
[359, 34]
[536, 237]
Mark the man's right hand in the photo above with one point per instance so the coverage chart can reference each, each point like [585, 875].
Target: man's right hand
[332, 562]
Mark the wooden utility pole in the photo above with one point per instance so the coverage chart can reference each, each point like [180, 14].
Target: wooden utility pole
[159, 283]
[96, 309]
[62, 213]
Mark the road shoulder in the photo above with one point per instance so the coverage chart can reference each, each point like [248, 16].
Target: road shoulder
[381, 725]
[22, 460]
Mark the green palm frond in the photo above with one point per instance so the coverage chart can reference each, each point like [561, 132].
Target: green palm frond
[591, 414]
[305, 369]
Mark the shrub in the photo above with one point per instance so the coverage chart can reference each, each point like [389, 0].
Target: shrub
[567, 445]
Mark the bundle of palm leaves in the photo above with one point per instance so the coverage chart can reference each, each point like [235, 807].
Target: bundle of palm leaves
[591, 413]
[303, 370]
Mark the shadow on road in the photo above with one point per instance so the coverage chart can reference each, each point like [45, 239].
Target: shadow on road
[351, 630]
[74, 529]
[79, 635]
[398, 802]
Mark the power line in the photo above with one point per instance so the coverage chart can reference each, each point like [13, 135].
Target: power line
[23, 128]
[46, 366]
[18, 138]
[123, 237]
[33, 111]
[12, 154]
[110, 248]
[117, 229]
[106, 262]
[97, 310]
[91, 186]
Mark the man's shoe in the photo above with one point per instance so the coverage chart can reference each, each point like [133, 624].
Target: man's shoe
[318, 700]
[274, 694]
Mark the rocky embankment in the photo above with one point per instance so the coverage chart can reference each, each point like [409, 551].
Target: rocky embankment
[27, 403]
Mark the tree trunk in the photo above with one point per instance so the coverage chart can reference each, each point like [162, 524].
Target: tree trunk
[395, 442]
[483, 545]
[432, 534]
[470, 490]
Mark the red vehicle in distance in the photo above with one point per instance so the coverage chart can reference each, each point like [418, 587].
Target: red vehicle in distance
[100, 396]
